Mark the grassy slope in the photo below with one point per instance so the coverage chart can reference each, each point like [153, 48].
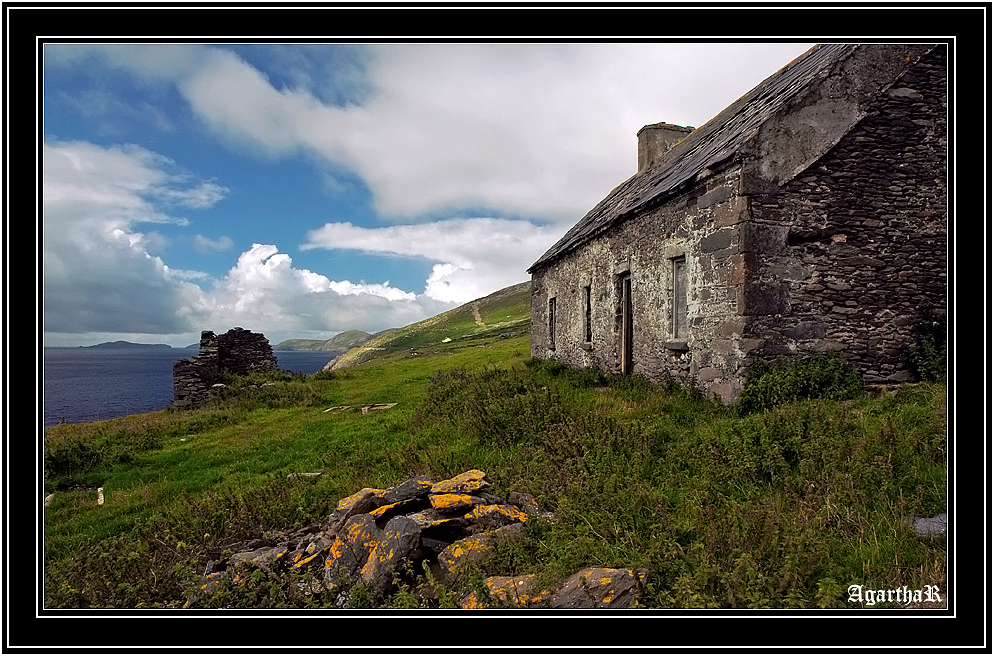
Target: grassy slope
[505, 311]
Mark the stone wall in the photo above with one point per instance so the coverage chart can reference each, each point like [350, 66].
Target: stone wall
[238, 351]
[701, 226]
[854, 244]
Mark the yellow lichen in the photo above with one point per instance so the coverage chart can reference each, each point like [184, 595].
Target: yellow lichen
[509, 511]
[450, 500]
[466, 482]
[348, 501]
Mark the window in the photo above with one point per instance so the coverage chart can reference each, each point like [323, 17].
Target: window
[552, 323]
[587, 329]
[679, 298]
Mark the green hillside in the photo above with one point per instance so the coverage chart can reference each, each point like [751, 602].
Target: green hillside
[503, 314]
[341, 342]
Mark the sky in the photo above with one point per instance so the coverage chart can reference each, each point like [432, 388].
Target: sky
[302, 190]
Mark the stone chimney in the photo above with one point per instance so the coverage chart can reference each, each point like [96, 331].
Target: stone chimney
[656, 139]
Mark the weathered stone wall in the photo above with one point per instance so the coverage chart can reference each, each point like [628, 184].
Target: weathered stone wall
[781, 259]
[701, 226]
[851, 246]
[243, 352]
[238, 351]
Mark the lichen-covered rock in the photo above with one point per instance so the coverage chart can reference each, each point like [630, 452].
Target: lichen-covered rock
[467, 482]
[451, 503]
[468, 550]
[412, 488]
[361, 503]
[430, 519]
[351, 549]
[384, 513]
[495, 516]
[600, 587]
[312, 554]
[518, 591]
[346, 504]
[400, 538]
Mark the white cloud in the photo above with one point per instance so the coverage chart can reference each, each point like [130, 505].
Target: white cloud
[265, 293]
[527, 130]
[99, 273]
[100, 278]
[473, 257]
[206, 244]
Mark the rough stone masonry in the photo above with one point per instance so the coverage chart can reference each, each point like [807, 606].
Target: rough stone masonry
[239, 351]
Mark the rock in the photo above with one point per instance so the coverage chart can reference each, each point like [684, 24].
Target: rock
[384, 513]
[432, 519]
[469, 550]
[496, 516]
[400, 538]
[451, 503]
[413, 488]
[515, 591]
[351, 549]
[466, 483]
[930, 526]
[598, 587]
[368, 501]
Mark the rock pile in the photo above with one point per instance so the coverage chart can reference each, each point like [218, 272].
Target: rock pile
[239, 351]
[374, 535]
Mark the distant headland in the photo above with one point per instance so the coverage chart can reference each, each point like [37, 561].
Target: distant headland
[120, 344]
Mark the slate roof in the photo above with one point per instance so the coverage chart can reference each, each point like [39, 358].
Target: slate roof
[707, 146]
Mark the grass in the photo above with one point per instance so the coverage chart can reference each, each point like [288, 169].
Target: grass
[780, 507]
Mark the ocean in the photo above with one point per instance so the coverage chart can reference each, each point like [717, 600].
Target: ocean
[90, 384]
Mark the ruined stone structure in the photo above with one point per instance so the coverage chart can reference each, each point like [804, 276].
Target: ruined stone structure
[238, 351]
[809, 216]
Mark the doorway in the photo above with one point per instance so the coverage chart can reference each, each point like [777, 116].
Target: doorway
[627, 329]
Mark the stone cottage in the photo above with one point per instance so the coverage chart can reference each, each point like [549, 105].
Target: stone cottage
[808, 216]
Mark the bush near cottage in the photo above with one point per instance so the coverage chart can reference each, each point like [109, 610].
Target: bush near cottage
[782, 507]
[821, 376]
[926, 356]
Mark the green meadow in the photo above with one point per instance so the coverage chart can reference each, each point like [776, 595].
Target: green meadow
[783, 503]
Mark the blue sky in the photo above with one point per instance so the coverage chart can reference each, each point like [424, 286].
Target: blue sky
[303, 190]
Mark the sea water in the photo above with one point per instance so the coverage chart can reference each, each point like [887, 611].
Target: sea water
[90, 384]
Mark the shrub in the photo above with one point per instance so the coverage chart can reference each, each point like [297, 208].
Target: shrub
[926, 356]
[494, 406]
[821, 376]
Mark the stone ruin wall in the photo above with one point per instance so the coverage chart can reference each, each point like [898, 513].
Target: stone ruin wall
[702, 225]
[837, 259]
[858, 241]
[238, 351]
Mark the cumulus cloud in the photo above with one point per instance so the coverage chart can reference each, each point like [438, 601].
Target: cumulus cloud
[101, 279]
[509, 128]
[263, 291]
[473, 257]
[99, 274]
